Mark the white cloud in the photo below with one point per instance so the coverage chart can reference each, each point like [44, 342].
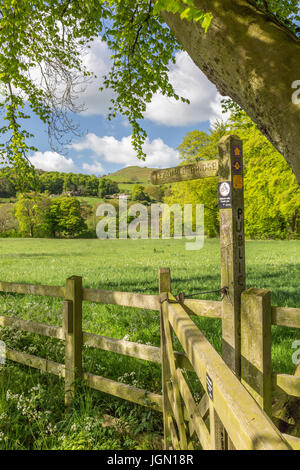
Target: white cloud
[112, 150]
[52, 161]
[189, 82]
[185, 76]
[94, 168]
[97, 60]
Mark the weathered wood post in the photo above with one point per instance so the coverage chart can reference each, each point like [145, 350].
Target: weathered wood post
[232, 240]
[172, 403]
[256, 342]
[164, 285]
[72, 324]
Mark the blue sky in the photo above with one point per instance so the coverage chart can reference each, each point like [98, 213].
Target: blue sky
[105, 145]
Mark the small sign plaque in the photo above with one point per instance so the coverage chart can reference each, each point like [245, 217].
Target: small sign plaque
[237, 166]
[209, 387]
[225, 195]
[237, 151]
[203, 169]
[237, 181]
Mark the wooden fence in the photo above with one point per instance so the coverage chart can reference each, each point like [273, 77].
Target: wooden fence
[240, 410]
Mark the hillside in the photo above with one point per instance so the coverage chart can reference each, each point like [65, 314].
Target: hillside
[131, 174]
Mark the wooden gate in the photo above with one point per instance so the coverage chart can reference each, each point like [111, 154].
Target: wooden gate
[225, 400]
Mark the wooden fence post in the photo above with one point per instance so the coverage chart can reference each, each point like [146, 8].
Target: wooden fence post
[256, 341]
[164, 285]
[72, 324]
[232, 244]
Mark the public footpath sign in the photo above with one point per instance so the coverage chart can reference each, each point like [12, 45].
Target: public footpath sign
[229, 169]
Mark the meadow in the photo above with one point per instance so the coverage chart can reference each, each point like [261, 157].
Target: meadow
[32, 413]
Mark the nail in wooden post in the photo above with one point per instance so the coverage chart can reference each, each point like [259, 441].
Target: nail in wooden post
[164, 284]
[232, 240]
[256, 341]
[72, 323]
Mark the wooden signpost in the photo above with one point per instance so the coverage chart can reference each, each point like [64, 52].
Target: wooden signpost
[229, 169]
[232, 240]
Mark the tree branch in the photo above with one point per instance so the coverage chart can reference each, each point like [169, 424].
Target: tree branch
[254, 61]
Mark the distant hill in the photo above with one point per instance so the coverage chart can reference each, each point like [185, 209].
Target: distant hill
[131, 174]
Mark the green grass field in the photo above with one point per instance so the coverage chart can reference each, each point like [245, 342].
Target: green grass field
[32, 416]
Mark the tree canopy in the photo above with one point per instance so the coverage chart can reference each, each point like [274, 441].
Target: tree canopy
[272, 197]
[107, 187]
[53, 182]
[47, 37]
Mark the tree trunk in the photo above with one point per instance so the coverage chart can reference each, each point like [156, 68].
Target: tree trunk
[254, 60]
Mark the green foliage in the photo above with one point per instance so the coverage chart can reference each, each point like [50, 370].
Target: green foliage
[187, 10]
[272, 196]
[138, 193]
[47, 36]
[197, 146]
[53, 182]
[7, 187]
[91, 185]
[141, 46]
[8, 221]
[65, 217]
[286, 11]
[156, 193]
[107, 187]
[31, 212]
[40, 216]
[79, 184]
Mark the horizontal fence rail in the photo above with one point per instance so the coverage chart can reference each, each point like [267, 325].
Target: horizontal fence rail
[124, 299]
[32, 289]
[124, 391]
[281, 316]
[36, 362]
[32, 327]
[129, 348]
[286, 316]
[102, 384]
[290, 384]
